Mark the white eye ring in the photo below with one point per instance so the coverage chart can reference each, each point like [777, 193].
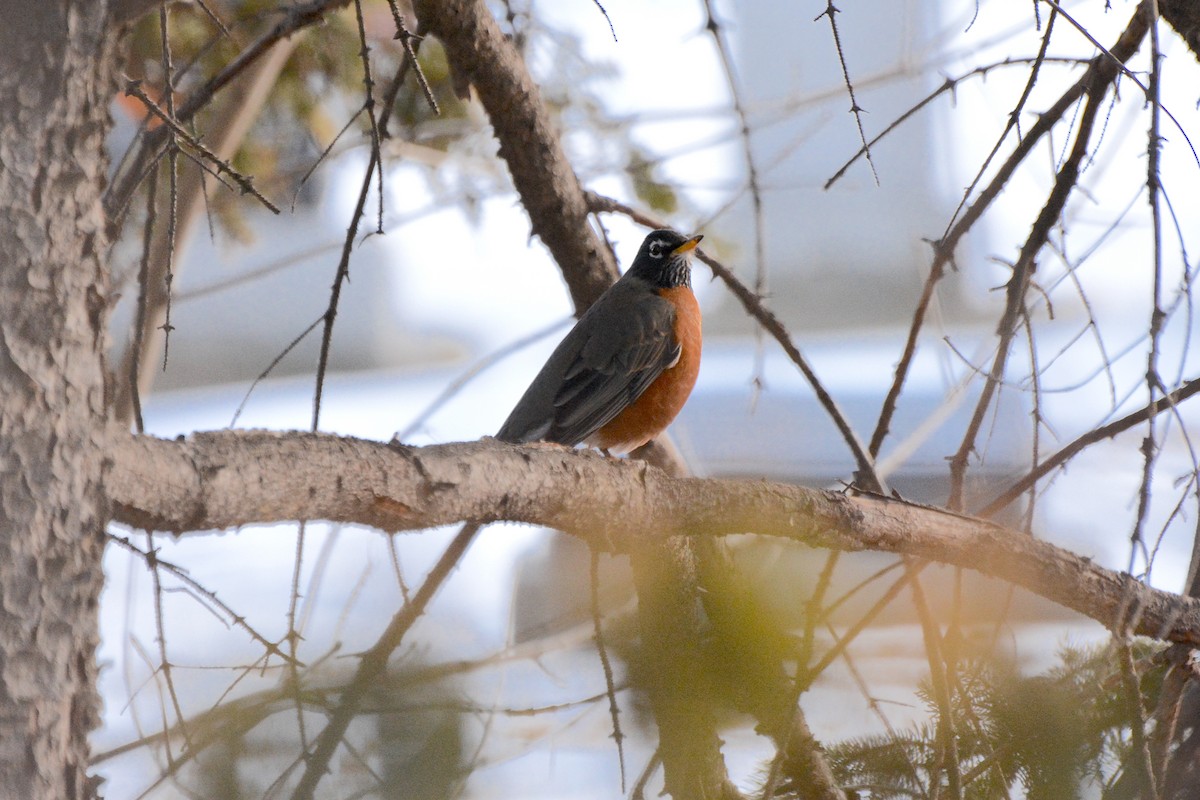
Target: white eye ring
[656, 249]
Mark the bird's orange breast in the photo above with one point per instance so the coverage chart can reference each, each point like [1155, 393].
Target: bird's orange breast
[651, 413]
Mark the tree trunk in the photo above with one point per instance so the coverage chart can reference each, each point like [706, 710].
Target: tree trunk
[55, 82]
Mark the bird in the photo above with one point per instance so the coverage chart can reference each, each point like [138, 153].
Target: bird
[623, 373]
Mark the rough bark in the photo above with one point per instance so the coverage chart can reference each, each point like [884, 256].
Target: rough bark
[54, 89]
[230, 478]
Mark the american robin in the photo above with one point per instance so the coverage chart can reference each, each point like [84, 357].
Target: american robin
[627, 367]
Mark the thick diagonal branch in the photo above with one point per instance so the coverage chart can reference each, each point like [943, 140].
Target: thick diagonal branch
[549, 189]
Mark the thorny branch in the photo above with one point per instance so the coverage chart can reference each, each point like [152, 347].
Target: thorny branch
[134, 88]
[150, 143]
[1022, 276]
[831, 12]
[1100, 71]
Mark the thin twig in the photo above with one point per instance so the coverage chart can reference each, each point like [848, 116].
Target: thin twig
[320, 159]
[947, 86]
[613, 31]
[876, 709]
[293, 635]
[216, 20]
[739, 108]
[134, 89]
[803, 677]
[609, 685]
[369, 104]
[753, 182]
[1133, 695]
[940, 670]
[1035, 450]
[831, 11]
[852, 633]
[639, 787]
[173, 176]
[335, 292]
[207, 595]
[271, 368]
[343, 269]
[1166, 714]
[150, 143]
[469, 374]
[813, 611]
[1108, 431]
[406, 41]
[1018, 284]
[1014, 117]
[151, 557]
[1157, 315]
[1099, 70]
[373, 663]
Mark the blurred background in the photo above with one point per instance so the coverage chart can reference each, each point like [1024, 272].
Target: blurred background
[733, 129]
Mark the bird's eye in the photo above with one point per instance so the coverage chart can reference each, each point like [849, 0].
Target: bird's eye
[656, 249]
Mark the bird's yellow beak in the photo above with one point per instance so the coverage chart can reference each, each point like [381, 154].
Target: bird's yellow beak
[687, 246]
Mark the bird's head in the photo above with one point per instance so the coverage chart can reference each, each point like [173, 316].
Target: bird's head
[665, 259]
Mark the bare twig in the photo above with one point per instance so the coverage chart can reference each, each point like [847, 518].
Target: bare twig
[293, 636]
[1100, 71]
[215, 18]
[134, 89]
[164, 665]
[406, 41]
[1153, 381]
[139, 320]
[1131, 684]
[469, 374]
[343, 269]
[1023, 269]
[294, 19]
[373, 663]
[1166, 714]
[271, 368]
[804, 676]
[1108, 431]
[611, 30]
[752, 179]
[948, 86]
[369, 104]
[335, 290]
[208, 596]
[614, 710]
[939, 673]
[831, 11]
[173, 178]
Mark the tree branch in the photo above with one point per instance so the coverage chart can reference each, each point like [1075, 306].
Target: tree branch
[549, 188]
[229, 478]
[665, 571]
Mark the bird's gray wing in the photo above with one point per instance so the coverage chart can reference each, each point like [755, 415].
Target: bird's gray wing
[612, 355]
